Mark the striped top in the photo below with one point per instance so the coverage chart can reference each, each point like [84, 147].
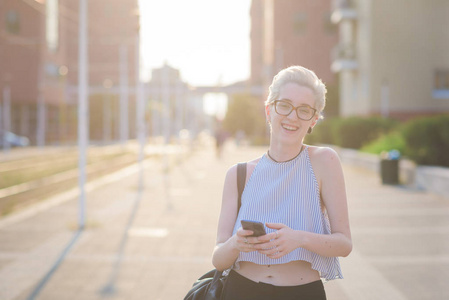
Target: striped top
[287, 193]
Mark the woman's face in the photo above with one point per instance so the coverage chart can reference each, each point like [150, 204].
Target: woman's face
[291, 129]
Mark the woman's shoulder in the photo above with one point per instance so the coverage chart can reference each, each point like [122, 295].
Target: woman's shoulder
[250, 166]
[323, 156]
[249, 163]
[321, 152]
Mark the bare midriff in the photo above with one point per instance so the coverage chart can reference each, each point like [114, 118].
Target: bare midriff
[289, 274]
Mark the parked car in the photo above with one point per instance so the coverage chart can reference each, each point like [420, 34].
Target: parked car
[13, 139]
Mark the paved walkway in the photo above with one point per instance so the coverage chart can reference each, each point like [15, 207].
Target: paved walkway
[153, 243]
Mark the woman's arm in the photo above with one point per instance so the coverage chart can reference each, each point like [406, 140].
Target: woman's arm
[329, 173]
[229, 246]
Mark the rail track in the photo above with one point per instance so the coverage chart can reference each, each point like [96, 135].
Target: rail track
[33, 178]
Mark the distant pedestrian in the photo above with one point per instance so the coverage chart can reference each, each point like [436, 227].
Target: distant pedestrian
[297, 191]
[220, 138]
[239, 137]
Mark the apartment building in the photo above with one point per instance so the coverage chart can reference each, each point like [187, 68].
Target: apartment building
[291, 32]
[39, 64]
[392, 57]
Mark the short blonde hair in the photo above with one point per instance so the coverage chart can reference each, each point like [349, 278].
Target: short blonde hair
[303, 77]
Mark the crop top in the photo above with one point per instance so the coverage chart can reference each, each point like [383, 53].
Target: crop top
[288, 193]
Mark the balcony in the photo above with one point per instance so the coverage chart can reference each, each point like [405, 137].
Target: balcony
[344, 58]
[343, 10]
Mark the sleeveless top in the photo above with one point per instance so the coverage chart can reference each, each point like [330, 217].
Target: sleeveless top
[288, 193]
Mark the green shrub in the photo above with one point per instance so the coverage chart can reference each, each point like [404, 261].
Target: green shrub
[352, 132]
[391, 141]
[424, 140]
[427, 140]
[246, 113]
[355, 132]
[322, 132]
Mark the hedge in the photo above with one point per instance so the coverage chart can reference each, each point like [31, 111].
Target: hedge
[352, 132]
[427, 140]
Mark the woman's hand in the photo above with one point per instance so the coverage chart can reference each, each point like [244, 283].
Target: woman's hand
[244, 242]
[279, 243]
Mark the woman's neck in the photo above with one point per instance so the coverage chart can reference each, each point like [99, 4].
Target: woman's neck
[283, 154]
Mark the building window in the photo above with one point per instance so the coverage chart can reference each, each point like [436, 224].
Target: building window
[329, 27]
[300, 23]
[441, 84]
[52, 24]
[12, 22]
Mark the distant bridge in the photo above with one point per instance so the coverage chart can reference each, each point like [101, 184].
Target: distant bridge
[239, 88]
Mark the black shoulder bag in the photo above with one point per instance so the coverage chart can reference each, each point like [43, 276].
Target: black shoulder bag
[210, 285]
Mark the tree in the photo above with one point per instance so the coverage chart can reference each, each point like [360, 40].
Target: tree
[245, 112]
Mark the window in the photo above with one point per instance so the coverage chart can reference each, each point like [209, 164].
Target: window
[12, 22]
[441, 84]
[300, 23]
[329, 27]
[52, 25]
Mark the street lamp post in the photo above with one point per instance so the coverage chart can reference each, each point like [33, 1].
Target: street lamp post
[123, 94]
[140, 112]
[83, 135]
[107, 84]
[6, 116]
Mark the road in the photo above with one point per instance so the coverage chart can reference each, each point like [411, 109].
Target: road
[153, 243]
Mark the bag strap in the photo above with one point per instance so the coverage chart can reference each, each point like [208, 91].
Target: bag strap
[241, 179]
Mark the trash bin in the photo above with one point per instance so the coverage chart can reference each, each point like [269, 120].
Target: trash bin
[389, 167]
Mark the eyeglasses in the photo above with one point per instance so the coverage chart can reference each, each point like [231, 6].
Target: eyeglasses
[304, 112]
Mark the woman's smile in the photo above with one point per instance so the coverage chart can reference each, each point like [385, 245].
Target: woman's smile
[289, 127]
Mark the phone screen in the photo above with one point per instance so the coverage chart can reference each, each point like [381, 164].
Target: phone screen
[257, 228]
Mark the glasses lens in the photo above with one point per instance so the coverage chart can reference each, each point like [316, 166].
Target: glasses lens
[305, 112]
[283, 108]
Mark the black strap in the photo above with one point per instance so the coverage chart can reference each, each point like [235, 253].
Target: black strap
[241, 179]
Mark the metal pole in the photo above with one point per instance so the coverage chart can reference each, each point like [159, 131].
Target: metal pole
[385, 99]
[41, 112]
[179, 106]
[83, 81]
[105, 119]
[6, 117]
[107, 84]
[123, 94]
[155, 112]
[140, 113]
[166, 109]
[1, 125]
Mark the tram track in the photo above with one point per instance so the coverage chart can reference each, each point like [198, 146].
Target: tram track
[32, 179]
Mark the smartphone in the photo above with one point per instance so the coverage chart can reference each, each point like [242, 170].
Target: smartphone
[257, 228]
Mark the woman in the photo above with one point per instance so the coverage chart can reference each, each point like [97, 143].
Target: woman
[298, 192]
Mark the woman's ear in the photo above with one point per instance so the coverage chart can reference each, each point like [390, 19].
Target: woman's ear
[267, 113]
[314, 121]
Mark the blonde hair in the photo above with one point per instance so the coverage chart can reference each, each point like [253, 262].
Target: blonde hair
[301, 76]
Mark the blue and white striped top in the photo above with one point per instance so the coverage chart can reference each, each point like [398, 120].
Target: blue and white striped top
[287, 193]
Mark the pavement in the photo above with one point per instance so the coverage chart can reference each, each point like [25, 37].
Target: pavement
[153, 242]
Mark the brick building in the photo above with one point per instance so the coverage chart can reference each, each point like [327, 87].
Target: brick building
[291, 32]
[39, 63]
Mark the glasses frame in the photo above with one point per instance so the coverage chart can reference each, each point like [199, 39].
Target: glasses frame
[294, 108]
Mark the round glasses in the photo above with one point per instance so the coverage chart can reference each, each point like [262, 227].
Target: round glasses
[284, 108]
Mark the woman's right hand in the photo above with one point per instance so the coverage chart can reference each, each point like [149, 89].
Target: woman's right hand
[243, 241]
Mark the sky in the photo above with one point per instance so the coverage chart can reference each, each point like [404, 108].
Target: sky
[207, 40]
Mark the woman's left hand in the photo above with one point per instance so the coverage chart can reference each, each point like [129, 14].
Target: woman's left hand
[279, 243]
